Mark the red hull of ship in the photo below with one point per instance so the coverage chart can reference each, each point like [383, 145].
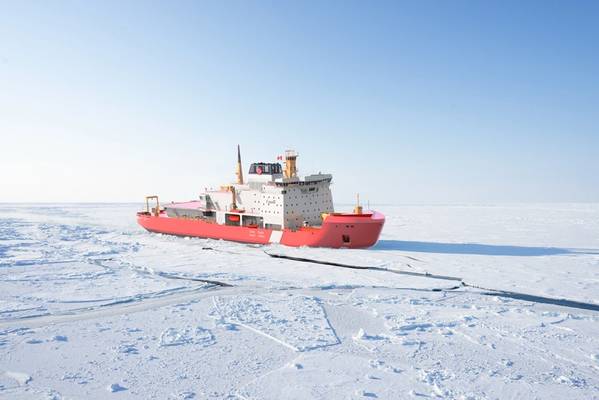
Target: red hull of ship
[337, 230]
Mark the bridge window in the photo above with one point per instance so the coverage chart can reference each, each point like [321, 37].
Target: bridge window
[266, 168]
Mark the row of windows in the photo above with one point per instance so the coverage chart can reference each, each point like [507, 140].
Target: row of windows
[309, 195]
[302, 183]
[266, 168]
[270, 212]
[303, 211]
[306, 201]
[303, 204]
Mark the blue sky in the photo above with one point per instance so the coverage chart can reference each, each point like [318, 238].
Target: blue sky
[405, 102]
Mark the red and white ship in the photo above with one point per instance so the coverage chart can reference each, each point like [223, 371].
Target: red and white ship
[272, 206]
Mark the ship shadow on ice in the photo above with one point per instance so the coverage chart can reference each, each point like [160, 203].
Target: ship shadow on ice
[476, 249]
[544, 300]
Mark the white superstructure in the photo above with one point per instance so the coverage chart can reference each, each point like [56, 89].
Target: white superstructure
[270, 197]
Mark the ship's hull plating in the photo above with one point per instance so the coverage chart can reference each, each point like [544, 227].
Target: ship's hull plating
[337, 230]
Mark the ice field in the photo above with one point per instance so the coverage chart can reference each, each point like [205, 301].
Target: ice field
[454, 302]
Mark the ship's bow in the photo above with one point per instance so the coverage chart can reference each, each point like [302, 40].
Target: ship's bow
[352, 230]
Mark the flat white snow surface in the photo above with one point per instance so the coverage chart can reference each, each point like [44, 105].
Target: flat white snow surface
[94, 307]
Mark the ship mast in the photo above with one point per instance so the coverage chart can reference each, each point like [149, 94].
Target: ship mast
[239, 172]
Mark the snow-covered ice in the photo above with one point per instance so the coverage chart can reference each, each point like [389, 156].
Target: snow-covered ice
[92, 306]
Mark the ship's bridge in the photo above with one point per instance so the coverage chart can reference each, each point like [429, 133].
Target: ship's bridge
[261, 173]
[262, 168]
